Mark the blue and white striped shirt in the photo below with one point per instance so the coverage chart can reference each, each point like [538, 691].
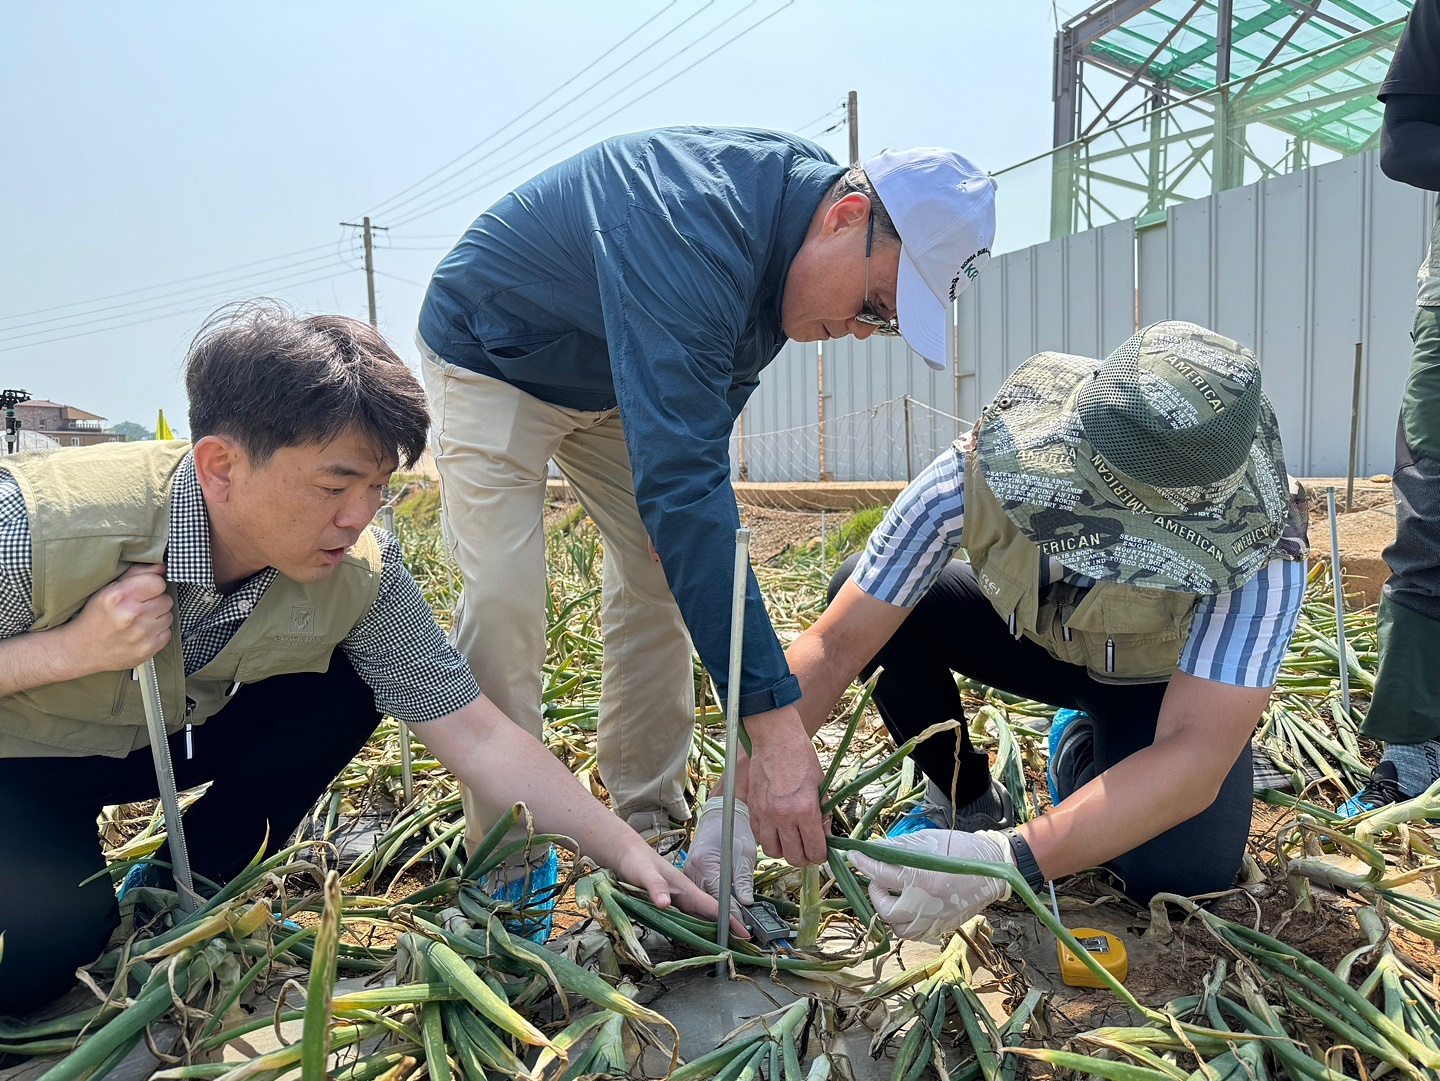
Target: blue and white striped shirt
[1238, 637]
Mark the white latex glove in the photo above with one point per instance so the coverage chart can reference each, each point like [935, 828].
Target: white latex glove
[702, 865]
[931, 903]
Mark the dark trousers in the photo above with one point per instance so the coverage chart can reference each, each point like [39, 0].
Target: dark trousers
[268, 754]
[1406, 705]
[955, 629]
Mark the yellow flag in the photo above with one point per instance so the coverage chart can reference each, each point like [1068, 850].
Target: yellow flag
[162, 430]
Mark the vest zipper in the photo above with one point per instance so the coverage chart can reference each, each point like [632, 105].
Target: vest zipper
[1065, 632]
[1109, 654]
[189, 740]
[1013, 622]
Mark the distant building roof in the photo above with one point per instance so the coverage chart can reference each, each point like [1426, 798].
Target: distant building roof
[69, 412]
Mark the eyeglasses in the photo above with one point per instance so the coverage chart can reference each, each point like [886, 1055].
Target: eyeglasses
[886, 328]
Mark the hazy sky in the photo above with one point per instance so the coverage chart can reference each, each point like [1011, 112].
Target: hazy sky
[159, 159]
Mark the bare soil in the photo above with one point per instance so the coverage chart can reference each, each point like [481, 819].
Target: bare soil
[772, 531]
[1364, 530]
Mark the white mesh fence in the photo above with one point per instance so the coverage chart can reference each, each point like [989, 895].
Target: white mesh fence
[891, 441]
[885, 444]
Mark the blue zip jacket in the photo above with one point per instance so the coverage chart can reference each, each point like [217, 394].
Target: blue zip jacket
[647, 272]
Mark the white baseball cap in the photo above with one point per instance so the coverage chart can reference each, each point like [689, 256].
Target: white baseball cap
[944, 209]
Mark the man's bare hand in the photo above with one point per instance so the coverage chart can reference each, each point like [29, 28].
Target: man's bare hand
[784, 788]
[125, 623]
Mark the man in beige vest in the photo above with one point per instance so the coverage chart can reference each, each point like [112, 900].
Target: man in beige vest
[281, 625]
[1134, 556]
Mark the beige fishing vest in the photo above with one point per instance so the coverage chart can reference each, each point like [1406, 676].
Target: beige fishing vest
[1120, 633]
[95, 511]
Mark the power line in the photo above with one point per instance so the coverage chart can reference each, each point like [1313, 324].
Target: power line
[194, 304]
[209, 305]
[148, 299]
[140, 301]
[457, 174]
[395, 201]
[160, 285]
[826, 115]
[496, 169]
[465, 194]
[407, 281]
[5, 348]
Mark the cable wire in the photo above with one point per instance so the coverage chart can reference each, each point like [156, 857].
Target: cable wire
[430, 209]
[193, 304]
[160, 285]
[140, 302]
[476, 183]
[826, 115]
[140, 322]
[394, 202]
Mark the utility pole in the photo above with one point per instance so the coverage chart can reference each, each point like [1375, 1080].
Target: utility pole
[364, 224]
[852, 121]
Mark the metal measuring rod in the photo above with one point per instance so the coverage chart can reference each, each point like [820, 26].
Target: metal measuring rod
[1338, 580]
[732, 737]
[165, 776]
[407, 764]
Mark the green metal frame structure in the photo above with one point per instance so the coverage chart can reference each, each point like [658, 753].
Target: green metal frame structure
[1158, 101]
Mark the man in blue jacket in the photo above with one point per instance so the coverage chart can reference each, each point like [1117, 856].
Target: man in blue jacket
[613, 314]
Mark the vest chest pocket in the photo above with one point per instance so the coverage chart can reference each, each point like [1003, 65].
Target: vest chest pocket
[266, 659]
[1007, 597]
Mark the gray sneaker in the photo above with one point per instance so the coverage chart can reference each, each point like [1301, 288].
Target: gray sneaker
[993, 810]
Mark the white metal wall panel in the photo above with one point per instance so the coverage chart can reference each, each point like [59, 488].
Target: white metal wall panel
[1282, 339]
[865, 415]
[1118, 278]
[1076, 294]
[1081, 290]
[1188, 231]
[1235, 301]
[1048, 310]
[1336, 293]
[1016, 295]
[778, 420]
[1299, 267]
[1152, 262]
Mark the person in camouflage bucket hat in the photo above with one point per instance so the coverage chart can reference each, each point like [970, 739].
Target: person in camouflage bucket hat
[1159, 467]
[1115, 538]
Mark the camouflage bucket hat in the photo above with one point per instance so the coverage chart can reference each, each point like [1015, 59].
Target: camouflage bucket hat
[1160, 466]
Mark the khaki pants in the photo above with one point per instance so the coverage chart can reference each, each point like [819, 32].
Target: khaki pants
[492, 445]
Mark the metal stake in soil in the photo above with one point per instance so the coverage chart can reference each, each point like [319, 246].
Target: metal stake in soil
[1354, 431]
[732, 737]
[165, 776]
[407, 765]
[1339, 599]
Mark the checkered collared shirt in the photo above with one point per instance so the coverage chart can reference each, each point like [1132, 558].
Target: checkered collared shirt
[398, 635]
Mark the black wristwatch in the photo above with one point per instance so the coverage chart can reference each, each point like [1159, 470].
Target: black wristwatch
[1025, 860]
